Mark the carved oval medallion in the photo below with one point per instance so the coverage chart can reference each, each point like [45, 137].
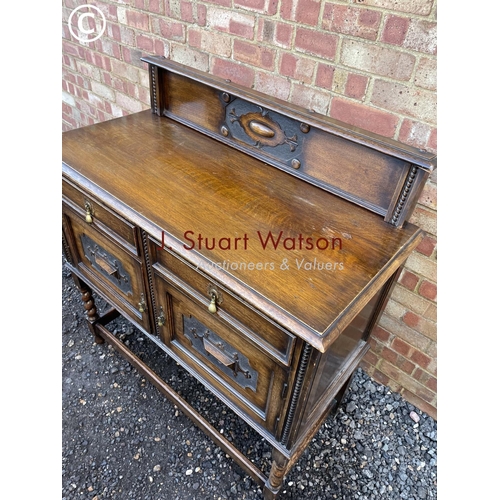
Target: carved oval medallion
[261, 129]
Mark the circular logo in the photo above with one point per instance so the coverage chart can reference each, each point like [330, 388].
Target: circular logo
[87, 26]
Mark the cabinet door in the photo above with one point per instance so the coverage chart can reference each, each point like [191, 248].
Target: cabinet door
[223, 357]
[107, 266]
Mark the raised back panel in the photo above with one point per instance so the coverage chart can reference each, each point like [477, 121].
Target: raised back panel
[379, 174]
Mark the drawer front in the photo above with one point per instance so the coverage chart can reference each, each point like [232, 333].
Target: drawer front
[109, 267]
[102, 218]
[228, 362]
[275, 340]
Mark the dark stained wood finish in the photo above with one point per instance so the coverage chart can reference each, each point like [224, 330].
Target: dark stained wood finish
[273, 339]
[170, 178]
[262, 402]
[278, 345]
[328, 153]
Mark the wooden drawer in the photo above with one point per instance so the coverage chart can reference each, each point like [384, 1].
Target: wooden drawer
[229, 363]
[270, 336]
[103, 218]
[113, 271]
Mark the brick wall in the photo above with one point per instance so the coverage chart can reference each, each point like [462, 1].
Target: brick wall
[370, 63]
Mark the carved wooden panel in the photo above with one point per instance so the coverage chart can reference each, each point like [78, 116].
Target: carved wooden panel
[272, 133]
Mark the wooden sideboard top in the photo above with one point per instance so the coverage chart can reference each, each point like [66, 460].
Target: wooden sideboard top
[177, 183]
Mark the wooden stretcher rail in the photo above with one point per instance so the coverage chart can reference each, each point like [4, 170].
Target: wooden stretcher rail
[185, 407]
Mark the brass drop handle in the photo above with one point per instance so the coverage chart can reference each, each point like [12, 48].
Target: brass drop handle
[215, 299]
[160, 320]
[89, 212]
[212, 308]
[142, 304]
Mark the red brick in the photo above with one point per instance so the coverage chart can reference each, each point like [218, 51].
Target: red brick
[66, 108]
[370, 358]
[305, 12]
[313, 42]
[380, 334]
[427, 246]
[283, 34]
[86, 108]
[194, 38]
[187, 12]
[156, 6]
[133, 56]
[299, 68]
[420, 358]
[411, 319]
[390, 356]
[408, 280]
[405, 365]
[240, 29]
[109, 10]
[144, 95]
[114, 31]
[428, 290]
[235, 72]
[374, 120]
[395, 30]
[432, 384]
[145, 43]
[286, 10]
[172, 30]
[369, 17]
[356, 86]
[138, 20]
[401, 347]
[159, 48]
[98, 60]
[254, 55]
[353, 21]
[74, 50]
[324, 76]
[201, 13]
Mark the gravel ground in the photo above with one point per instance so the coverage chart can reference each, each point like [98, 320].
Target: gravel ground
[122, 439]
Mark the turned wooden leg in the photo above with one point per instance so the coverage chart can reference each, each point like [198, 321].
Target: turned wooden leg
[90, 308]
[275, 479]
